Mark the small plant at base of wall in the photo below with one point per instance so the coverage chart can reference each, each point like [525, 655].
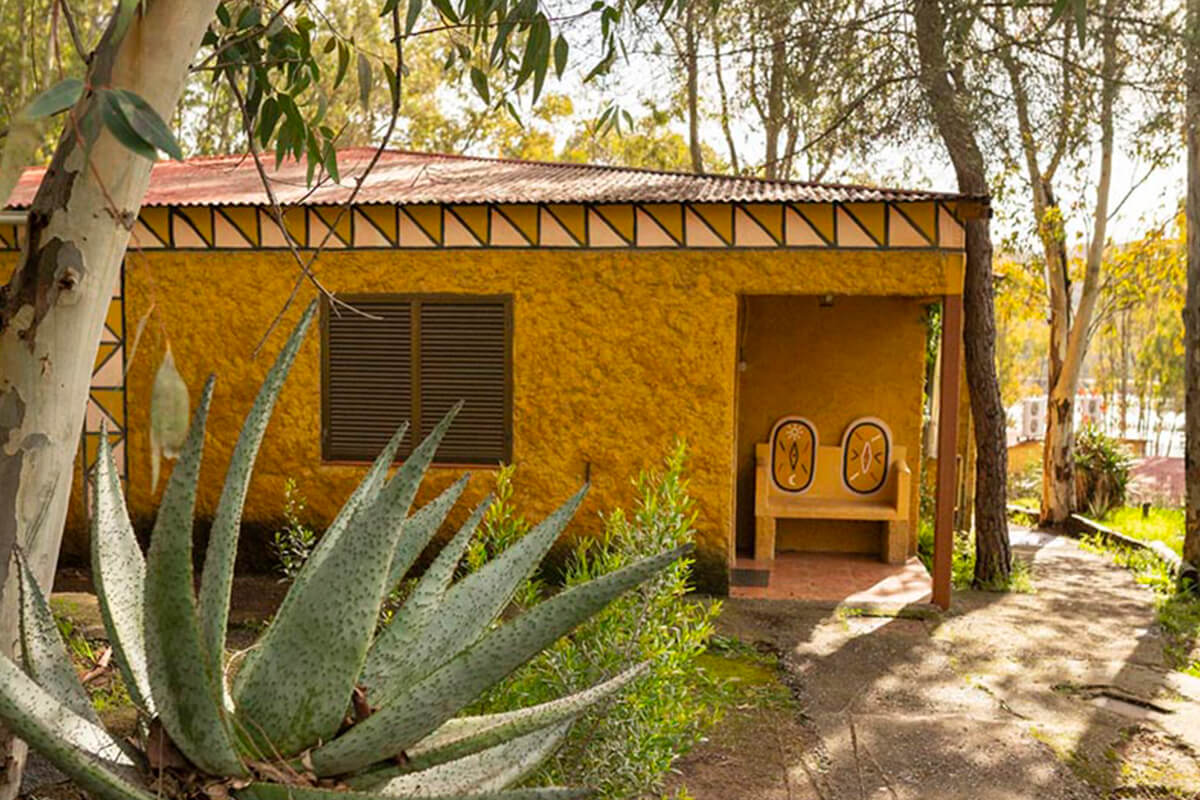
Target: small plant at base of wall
[294, 542]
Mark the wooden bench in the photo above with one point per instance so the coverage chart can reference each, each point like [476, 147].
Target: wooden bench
[827, 496]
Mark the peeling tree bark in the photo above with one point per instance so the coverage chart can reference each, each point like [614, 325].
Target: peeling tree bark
[53, 309]
[993, 558]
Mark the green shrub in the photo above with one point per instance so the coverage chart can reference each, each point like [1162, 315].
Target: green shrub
[1101, 471]
[625, 749]
[292, 544]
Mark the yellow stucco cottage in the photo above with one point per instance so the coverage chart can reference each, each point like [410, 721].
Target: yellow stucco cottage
[587, 314]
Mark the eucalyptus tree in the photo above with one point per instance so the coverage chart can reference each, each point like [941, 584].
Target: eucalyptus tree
[109, 105]
[1066, 96]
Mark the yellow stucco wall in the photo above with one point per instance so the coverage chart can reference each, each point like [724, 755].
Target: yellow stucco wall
[860, 356]
[615, 353]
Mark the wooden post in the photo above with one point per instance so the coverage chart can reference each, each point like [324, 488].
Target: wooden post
[947, 455]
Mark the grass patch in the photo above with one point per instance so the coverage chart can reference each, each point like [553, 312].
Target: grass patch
[1178, 614]
[962, 566]
[1161, 525]
[737, 675]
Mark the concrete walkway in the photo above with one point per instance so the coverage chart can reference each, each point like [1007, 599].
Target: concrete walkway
[1061, 693]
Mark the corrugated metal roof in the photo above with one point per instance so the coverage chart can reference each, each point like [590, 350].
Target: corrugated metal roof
[413, 178]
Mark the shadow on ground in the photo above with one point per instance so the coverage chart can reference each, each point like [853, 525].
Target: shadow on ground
[1061, 693]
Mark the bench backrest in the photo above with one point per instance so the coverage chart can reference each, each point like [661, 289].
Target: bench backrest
[827, 480]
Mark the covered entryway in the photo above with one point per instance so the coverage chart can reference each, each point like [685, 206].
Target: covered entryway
[832, 361]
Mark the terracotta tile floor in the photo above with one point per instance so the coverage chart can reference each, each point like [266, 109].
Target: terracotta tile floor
[838, 578]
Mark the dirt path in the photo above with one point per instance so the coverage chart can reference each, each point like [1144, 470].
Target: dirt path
[1061, 693]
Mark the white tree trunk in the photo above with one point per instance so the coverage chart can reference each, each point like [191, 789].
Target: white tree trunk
[53, 310]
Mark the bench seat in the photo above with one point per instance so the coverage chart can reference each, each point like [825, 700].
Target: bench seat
[828, 498]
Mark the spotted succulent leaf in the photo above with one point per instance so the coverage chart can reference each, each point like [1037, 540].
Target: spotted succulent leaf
[419, 710]
[119, 575]
[275, 791]
[217, 577]
[425, 522]
[81, 749]
[488, 770]
[296, 690]
[43, 652]
[406, 653]
[181, 675]
[464, 736]
[363, 494]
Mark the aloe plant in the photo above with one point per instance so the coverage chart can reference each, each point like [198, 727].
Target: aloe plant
[322, 707]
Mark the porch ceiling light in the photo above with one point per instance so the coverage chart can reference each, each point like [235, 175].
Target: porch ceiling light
[826, 300]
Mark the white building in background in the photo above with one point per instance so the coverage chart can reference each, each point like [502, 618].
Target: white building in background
[1161, 436]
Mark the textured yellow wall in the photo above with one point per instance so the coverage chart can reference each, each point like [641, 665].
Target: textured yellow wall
[615, 353]
[862, 356]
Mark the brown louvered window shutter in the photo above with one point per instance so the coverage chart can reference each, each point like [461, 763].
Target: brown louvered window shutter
[427, 353]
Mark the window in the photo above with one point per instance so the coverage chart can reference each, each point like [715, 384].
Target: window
[423, 354]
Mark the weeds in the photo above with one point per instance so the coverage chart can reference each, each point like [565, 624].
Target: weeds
[962, 565]
[294, 542]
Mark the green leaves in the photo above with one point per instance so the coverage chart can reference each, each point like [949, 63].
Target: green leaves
[56, 99]
[136, 124]
[181, 674]
[407, 652]
[430, 702]
[46, 659]
[119, 574]
[296, 690]
[217, 579]
[79, 748]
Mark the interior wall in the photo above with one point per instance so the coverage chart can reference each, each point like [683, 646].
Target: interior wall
[861, 356]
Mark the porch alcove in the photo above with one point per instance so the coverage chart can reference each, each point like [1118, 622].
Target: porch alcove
[831, 360]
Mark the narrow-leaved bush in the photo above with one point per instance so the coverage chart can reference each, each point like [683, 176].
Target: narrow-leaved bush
[625, 749]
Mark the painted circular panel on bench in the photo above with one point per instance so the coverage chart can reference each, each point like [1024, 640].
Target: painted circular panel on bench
[793, 454]
[866, 455]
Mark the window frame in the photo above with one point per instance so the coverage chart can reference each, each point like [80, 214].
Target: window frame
[415, 299]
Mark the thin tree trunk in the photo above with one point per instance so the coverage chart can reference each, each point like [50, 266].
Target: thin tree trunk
[691, 37]
[1191, 313]
[773, 123]
[724, 96]
[993, 559]
[53, 309]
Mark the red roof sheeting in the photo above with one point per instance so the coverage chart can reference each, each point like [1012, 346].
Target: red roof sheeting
[403, 177]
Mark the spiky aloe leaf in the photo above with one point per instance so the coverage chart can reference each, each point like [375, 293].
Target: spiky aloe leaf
[434, 699]
[181, 675]
[81, 749]
[486, 771]
[406, 653]
[299, 684]
[42, 648]
[275, 791]
[425, 523]
[365, 493]
[119, 573]
[217, 577]
[463, 736]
